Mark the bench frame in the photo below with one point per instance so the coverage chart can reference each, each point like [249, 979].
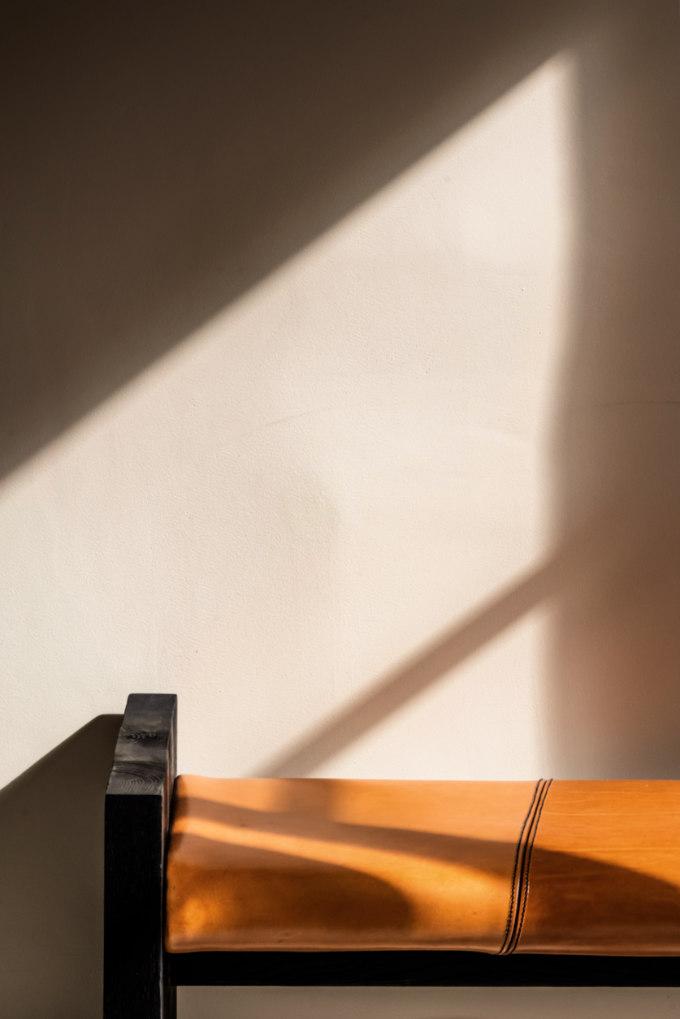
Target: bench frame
[141, 979]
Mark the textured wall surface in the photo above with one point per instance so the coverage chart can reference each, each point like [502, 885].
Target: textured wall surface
[340, 394]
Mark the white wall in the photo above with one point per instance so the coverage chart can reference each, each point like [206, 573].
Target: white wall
[427, 459]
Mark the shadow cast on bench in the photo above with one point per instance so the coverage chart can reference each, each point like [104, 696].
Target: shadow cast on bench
[628, 893]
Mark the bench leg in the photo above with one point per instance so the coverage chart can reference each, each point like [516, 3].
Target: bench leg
[137, 980]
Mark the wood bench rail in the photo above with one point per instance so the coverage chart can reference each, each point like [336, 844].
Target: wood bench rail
[141, 977]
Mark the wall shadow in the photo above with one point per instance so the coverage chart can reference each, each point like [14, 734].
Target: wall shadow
[161, 158]
[51, 879]
[612, 692]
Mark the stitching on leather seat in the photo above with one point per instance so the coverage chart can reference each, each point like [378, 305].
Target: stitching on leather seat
[526, 870]
[522, 862]
[514, 897]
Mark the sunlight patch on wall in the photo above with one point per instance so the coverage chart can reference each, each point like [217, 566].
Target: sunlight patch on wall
[346, 460]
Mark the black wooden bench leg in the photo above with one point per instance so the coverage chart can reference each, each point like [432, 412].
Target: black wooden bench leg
[137, 982]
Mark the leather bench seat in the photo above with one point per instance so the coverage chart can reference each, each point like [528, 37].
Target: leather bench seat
[569, 867]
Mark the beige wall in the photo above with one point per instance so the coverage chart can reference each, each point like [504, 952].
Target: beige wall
[341, 396]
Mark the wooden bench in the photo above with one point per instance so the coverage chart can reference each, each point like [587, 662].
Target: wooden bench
[334, 882]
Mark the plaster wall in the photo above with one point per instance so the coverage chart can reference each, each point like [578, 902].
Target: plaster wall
[347, 406]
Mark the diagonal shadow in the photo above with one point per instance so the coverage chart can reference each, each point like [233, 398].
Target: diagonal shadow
[161, 158]
[579, 551]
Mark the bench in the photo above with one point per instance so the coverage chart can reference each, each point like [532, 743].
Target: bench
[360, 882]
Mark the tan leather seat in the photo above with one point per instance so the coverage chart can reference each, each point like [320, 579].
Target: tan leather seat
[317, 864]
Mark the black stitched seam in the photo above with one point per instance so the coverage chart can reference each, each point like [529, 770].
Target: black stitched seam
[522, 847]
[527, 870]
[515, 886]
